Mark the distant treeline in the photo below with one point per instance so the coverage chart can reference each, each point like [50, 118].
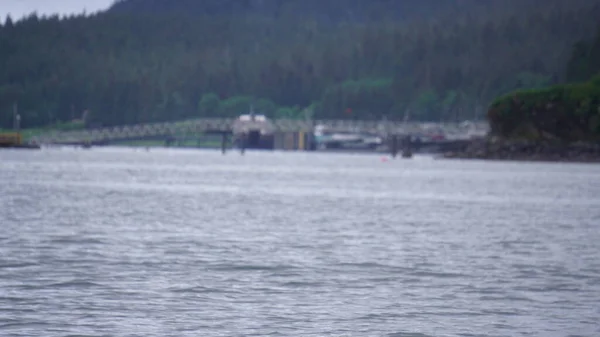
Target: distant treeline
[569, 112]
[138, 62]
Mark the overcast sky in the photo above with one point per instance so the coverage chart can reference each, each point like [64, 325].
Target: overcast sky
[19, 8]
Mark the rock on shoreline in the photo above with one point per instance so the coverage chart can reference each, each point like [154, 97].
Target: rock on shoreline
[495, 149]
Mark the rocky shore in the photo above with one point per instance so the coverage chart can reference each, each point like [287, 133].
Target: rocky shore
[496, 149]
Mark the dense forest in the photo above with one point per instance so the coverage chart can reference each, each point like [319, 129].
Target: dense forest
[157, 60]
[568, 112]
[326, 12]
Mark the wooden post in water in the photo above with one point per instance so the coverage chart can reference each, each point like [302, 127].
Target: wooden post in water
[243, 143]
[169, 140]
[407, 148]
[394, 145]
[224, 143]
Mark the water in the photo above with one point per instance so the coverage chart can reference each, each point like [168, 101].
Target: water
[122, 242]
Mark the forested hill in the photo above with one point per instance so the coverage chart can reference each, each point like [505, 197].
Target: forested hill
[144, 60]
[568, 112]
[325, 11]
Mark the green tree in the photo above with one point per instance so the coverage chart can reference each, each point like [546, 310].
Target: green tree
[235, 106]
[149, 61]
[209, 105]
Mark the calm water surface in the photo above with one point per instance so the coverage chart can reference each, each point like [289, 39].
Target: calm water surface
[123, 242]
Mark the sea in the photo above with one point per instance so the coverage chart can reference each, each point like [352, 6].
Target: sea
[117, 241]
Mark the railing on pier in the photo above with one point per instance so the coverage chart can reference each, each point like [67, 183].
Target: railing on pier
[235, 126]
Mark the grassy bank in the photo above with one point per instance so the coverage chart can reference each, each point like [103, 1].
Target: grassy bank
[563, 113]
[558, 124]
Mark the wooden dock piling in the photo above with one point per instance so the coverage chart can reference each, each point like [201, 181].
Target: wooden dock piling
[224, 143]
[243, 143]
[394, 146]
[407, 147]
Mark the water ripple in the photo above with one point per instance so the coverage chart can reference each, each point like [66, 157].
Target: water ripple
[118, 242]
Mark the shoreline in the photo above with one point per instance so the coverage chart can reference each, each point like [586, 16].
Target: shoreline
[528, 151]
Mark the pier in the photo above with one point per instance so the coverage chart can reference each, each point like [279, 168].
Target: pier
[258, 132]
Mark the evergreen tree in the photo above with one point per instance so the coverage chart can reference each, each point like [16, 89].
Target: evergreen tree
[161, 60]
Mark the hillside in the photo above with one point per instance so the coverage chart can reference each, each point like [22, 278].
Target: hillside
[569, 112]
[153, 60]
[333, 11]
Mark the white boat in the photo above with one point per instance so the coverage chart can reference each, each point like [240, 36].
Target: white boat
[344, 140]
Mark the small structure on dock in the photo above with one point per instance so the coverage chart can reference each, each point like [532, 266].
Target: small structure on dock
[10, 139]
[252, 131]
[14, 140]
